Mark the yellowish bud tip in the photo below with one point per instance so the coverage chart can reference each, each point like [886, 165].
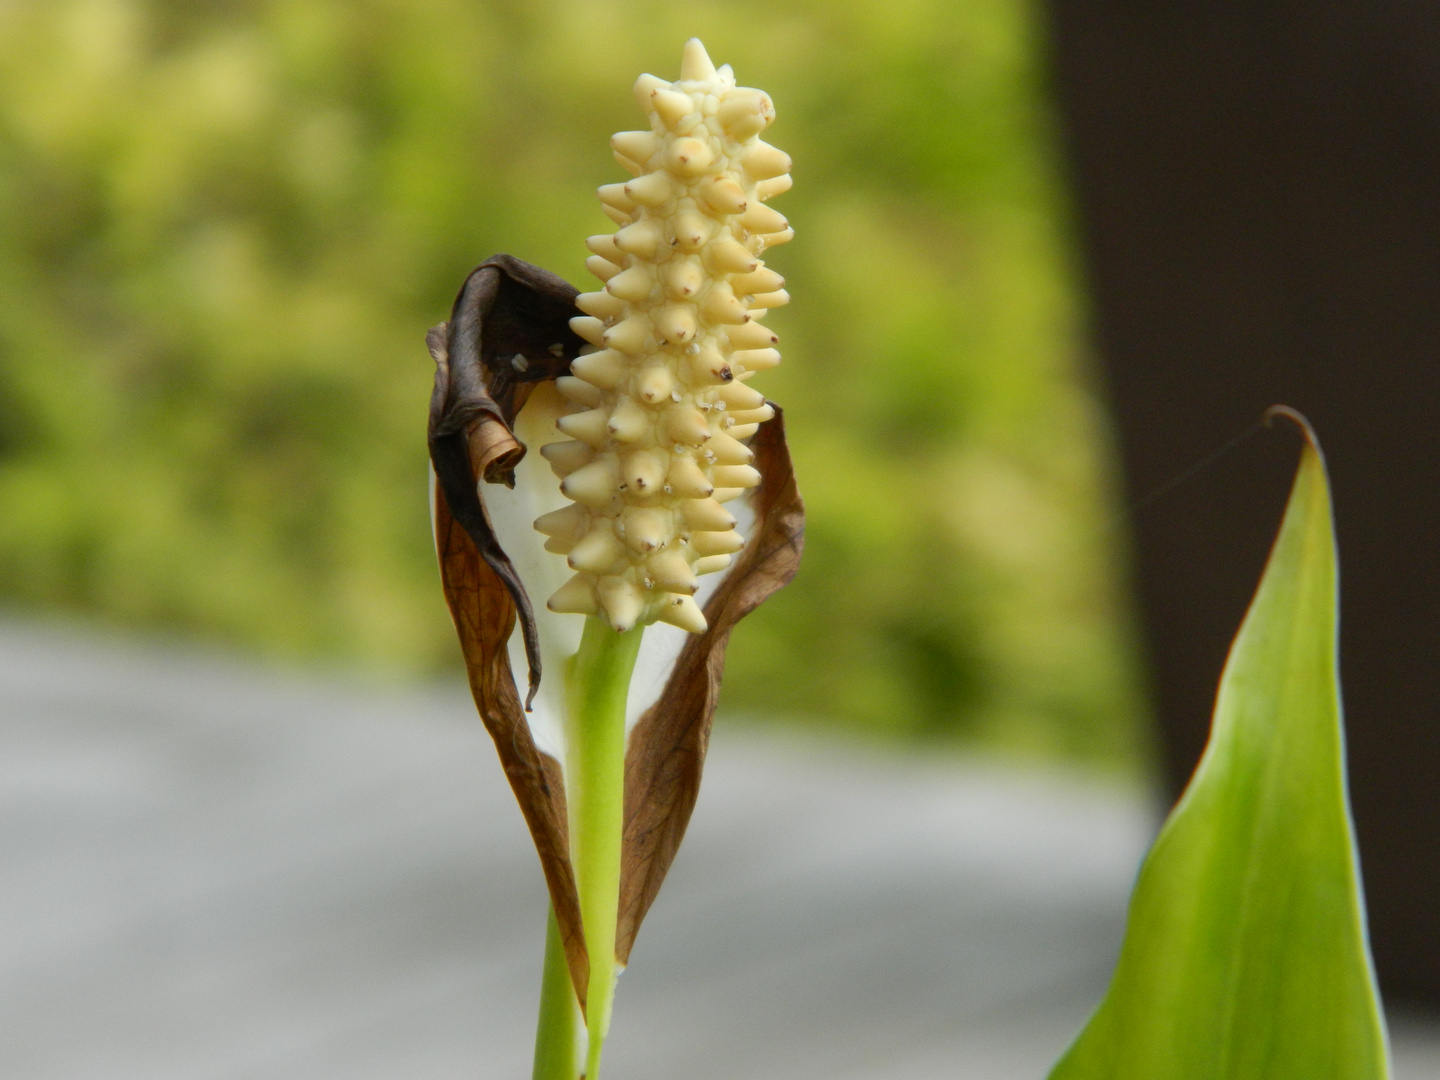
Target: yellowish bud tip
[682, 611]
[695, 64]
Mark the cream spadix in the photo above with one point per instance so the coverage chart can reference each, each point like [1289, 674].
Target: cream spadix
[673, 333]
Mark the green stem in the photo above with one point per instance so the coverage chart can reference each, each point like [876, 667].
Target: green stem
[598, 685]
[559, 1038]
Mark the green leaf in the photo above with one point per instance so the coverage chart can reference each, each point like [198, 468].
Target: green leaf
[1246, 955]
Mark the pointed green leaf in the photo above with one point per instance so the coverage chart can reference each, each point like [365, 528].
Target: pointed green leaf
[1245, 956]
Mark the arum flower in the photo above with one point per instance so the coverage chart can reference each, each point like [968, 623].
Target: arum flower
[675, 509]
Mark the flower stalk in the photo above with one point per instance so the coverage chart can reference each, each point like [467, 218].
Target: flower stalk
[597, 685]
[560, 1033]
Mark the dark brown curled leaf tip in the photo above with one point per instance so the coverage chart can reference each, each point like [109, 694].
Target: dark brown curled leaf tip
[509, 329]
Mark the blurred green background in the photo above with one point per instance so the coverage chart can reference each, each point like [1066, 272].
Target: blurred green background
[225, 226]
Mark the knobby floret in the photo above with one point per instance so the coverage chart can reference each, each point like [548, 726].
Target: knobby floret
[662, 403]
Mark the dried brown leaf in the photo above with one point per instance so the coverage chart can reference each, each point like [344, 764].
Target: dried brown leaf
[666, 752]
[484, 618]
[506, 307]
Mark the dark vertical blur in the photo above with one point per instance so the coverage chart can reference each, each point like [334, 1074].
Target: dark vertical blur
[1259, 191]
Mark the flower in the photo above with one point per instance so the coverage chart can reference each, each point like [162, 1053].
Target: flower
[645, 507]
[662, 403]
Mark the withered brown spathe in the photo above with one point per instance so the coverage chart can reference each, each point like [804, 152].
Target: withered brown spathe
[508, 331]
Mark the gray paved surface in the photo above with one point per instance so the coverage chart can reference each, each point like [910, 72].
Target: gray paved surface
[209, 871]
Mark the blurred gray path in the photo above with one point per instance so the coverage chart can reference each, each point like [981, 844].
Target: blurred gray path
[213, 872]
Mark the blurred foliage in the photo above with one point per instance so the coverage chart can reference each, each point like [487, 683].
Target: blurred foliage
[226, 224]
